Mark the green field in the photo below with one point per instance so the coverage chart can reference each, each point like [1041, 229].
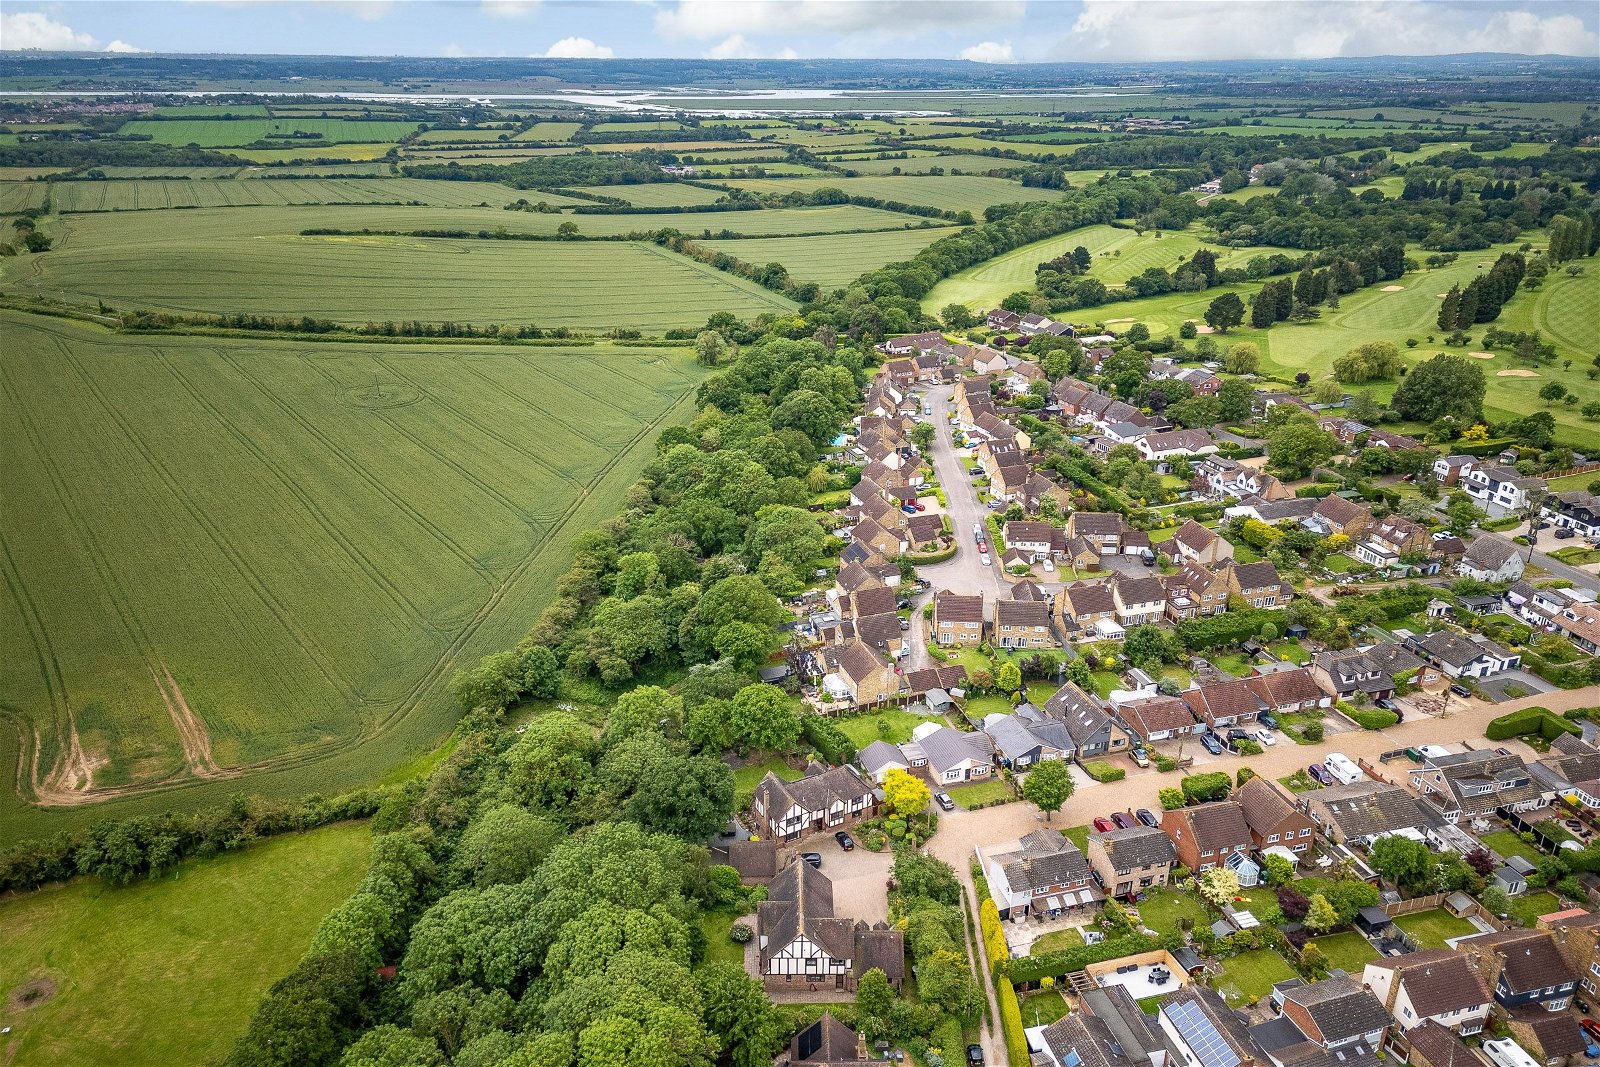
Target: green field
[218, 133]
[549, 131]
[659, 194]
[281, 192]
[167, 972]
[1119, 254]
[835, 259]
[185, 266]
[267, 557]
[949, 192]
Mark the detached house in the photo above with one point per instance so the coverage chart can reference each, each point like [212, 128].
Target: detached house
[1044, 874]
[1087, 610]
[1258, 584]
[1336, 515]
[1390, 539]
[1207, 835]
[1272, 818]
[1157, 718]
[1126, 862]
[1026, 737]
[1350, 673]
[1195, 592]
[1288, 691]
[1038, 539]
[1023, 624]
[954, 756]
[828, 800]
[1224, 704]
[1492, 558]
[1365, 811]
[1437, 985]
[1459, 656]
[1575, 511]
[860, 675]
[1499, 490]
[1449, 470]
[1094, 729]
[801, 942]
[1194, 543]
[1103, 529]
[958, 620]
[1138, 600]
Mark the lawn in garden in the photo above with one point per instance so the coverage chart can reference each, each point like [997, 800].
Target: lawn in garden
[1508, 844]
[1043, 1008]
[1526, 909]
[1055, 941]
[1163, 908]
[888, 724]
[1249, 976]
[1349, 951]
[980, 793]
[1431, 929]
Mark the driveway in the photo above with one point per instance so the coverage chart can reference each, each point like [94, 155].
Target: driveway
[860, 878]
[1530, 684]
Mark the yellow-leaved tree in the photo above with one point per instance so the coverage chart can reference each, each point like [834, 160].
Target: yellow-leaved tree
[904, 794]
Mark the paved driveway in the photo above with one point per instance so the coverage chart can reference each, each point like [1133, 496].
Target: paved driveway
[1529, 683]
[860, 878]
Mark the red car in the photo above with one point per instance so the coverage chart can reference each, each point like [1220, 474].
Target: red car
[1104, 826]
[983, 546]
[1591, 1028]
[920, 506]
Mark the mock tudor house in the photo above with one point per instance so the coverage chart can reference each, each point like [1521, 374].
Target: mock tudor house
[801, 942]
[1128, 861]
[1207, 835]
[1272, 818]
[828, 800]
[1436, 984]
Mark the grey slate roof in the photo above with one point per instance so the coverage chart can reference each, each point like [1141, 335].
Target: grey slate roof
[1137, 846]
[947, 747]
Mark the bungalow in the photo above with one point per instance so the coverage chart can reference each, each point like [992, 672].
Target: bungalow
[1362, 812]
[881, 757]
[912, 343]
[924, 530]
[1224, 704]
[1199, 1023]
[954, 756]
[1288, 691]
[1394, 659]
[1272, 818]
[1459, 656]
[1157, 718]
[1436, 984]
[1044, 874]
[1094, 729]
[1206, 836]
[827, 800]
[1492, 558]
[957, 620]
[1026, 737]
[1109, 1031]
[1128, 861]
[1023, 624]
[1159, 446]
[1195, 543]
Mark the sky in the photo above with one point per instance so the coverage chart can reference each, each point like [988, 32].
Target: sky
[983, 31]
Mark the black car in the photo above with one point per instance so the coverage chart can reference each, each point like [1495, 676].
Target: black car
[1148, 817]
[813, 858]
[846, 842]
[1565, 532]
[1386, 705]
[975, 1055]
[1267, 719]
[944, 801]
[902, 604]
[1213, 746]
[1148, 558]
[1460, 690]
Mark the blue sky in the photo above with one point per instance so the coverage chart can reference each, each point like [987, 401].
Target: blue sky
[995, 31]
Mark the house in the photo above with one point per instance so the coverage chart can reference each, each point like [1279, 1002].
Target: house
[1001, 319]
[1364, 811]
[1194, 543]
[1572, 767]
[1221, 705]
[1206, 1032]
[1498, 489]
[860, 675]
[1084, 609]
[1026, 737]
[1336, 515]
[1172, 443]
[800, 940]
[827, 1043]
[1350, 673]
[1577, 935]
[1138, 600]
[756, 861]
[1195, 592]
[954, 756]
[1023, 624]
[1553, 1039]
[1492, 558]
[1157, 718]
[1336, 1013]
[887, 542]
[1288, 690]
[1094, 729]
[1207, 835]
[936, 683]
[1435, 985]
[1130, 860]
[1471, 784]
[1459, 656]
[1432, 1045]
[1390, 539]
[881, 757]
[913, 343]
[828, 800]
[1038, 539]
[957, 620]
[1103, 529]
[1395, 659]
[1449, 470]
[1577, 511]
[1043, 874]
[1272, 818]
[1522, 968]
[1259, 584]
[1111, 1030]
[924, 531]
[1272, 512]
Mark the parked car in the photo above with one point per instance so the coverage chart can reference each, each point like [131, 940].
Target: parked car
[983, 558]
[1267, 719]
[975, 1055]
[977, 530]
[905, 624]
[903, 604]
[1237, 734]
[1563, 534]
[1590, 1027]
[1105, 826]
[1342, 768]
[1502, 751]
[1460, 690]
[1124, 821]
[846, 842]
[944, 801]
[1213, 746]
[1148, 558]
[1386, 704]
[1140, 757]
[1581, 1004]
[909, 508]
[1263, 736]
[983, 546]
[813, 858]
[1317, 772]
[1148, 817]
[1433, 751]
[919, 505]
[1048, 566]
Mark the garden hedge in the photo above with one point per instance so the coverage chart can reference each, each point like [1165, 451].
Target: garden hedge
[1212, 785]
[1372, 718]
[1102, 771]
[1529, 721]
[994, 939]
[1029, 969]
[1011, 1023]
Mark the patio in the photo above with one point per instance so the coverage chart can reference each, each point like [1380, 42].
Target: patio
[1020, 936]
[1149, 974]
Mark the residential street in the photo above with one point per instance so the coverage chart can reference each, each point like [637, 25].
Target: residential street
[1576, 575]
[963, 574]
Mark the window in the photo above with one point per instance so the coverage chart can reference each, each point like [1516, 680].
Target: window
[1209, 852]
[1272, 839]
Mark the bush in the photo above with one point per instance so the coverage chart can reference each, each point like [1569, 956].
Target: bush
[1029, 969]
[1212, 785]
[1529, 721]
[741, 933]
[1102, 771]
[994, 939]
[1372, 718]
[1248, 747]
[1171, 799]
[1166, 763]
[1011, 1023]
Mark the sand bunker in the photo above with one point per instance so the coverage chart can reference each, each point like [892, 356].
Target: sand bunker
[1203, 329]
[1481, 355]
[1516, 374]
[1392, 288]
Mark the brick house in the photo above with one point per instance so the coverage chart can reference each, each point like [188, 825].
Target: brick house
[1272, 818]
[1205, 836]
[958, 620]
[1130, 860]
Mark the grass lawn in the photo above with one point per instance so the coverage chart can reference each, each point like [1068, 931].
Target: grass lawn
[1430, 929]
[1234, 663]
[1259, 899]
[896, 727]
[720, 948]
[168, 971]
[1162, 908]
[1348, 951]
[1508, 844]
[745, 779]
[1105, 682]
[1042, 1009]
[1078, 835]
[1300, 782]
[1290, 649]
[1175, 673]
[1338, 562]
[980, 793]
[1528, 907]
[988, 704]
[1055, 941]
[1249, 976]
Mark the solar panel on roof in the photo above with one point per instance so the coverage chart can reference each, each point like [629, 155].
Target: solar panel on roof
[1203, 1039]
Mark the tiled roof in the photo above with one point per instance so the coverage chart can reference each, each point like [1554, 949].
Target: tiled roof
[1490, 552]
[1437, 980]
[949, 607]
[1217, 825]
[1137, 846]
[1532, 960]
[1156, 715]
[1440, 1046]
[1265, 807]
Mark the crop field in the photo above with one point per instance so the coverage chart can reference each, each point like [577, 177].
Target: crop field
[835, 260]
[356, 279]
[744, 167]
[950, 192]
[23, 196]
[216, 133]
[549, 131]
[143, 194]
[659, 194]
[288, 600]
[982, 144]
[463, 135]
[360, 153]
[1119, 254]
[211, 936]
[922, 163]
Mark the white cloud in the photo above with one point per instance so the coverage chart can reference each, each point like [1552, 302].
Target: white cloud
[737, 46]
[509, 9]
[989, 52]
[707, 19]
[29, 29]
[123, 46]
[578, 48]
[1230, 29]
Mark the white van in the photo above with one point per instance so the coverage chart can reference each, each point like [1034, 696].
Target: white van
[1341, 767]
[1507, 1053]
